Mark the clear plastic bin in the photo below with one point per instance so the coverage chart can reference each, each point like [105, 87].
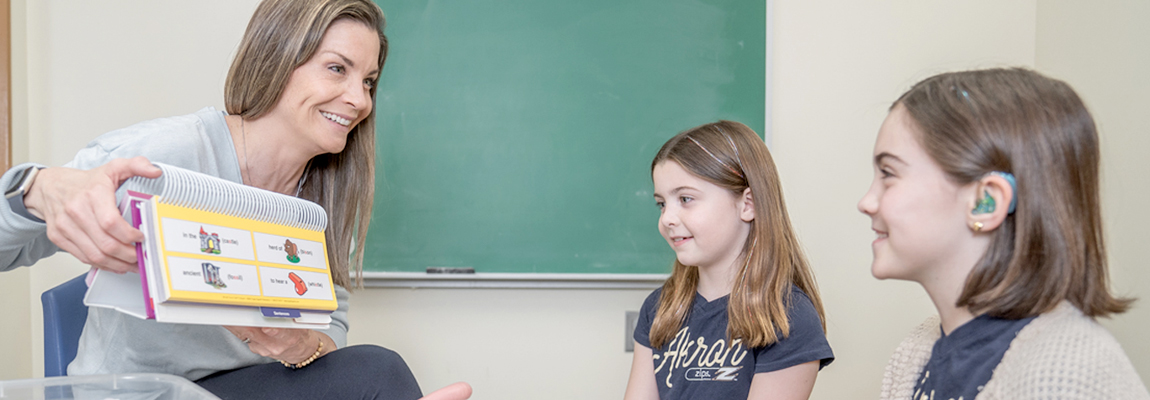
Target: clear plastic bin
[105, 387]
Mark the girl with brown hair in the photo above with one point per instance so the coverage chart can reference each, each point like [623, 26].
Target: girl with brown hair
[986, 193]
[740, 317]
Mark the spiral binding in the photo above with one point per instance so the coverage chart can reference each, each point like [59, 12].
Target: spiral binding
[185, 188]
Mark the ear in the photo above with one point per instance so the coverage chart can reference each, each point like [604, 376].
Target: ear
[747, 206]
[989, 203]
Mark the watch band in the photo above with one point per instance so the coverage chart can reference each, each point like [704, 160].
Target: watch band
[15, 195]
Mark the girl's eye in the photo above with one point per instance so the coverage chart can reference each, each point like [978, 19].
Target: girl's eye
[660, 204]
[885, 173]
[369, 83]
[336, 68]
[685, 199]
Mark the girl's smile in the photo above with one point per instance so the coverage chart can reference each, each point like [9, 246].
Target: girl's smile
[702, 222]
[879, 236]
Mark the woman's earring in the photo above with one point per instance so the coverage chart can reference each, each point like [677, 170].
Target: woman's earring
[977, 226]
[985, 205]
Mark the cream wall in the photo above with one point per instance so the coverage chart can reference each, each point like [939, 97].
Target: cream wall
[87, 67]
[838, 65]
[1100, 49]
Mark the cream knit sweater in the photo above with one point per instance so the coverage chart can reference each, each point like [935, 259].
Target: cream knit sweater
[1062, 354]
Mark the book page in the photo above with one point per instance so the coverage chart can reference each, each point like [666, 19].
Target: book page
[213, 258]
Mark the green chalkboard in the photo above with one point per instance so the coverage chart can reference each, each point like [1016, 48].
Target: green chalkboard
[515, 136]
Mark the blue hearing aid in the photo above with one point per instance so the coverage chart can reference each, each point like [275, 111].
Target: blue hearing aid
[987, 204]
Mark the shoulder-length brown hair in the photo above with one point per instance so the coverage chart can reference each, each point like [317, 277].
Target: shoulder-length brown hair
[1018, 121]
[282, 35]
[732, 156]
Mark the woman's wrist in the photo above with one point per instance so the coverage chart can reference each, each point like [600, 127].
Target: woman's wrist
[315, 355]
[31, 196]
[308, 349]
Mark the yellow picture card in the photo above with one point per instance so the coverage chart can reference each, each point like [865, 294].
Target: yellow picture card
[194, 279]
[241, 261]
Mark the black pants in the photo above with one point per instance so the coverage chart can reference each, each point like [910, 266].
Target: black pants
[356, 372]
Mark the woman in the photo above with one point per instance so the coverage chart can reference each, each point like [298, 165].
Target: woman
[300, 122]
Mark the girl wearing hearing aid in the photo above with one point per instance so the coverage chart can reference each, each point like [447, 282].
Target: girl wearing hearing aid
[986, 194]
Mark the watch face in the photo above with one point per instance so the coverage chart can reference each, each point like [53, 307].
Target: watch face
[17, 180]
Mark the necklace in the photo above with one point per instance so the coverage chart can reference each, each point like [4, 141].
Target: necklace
[302, 178]
[248, 165]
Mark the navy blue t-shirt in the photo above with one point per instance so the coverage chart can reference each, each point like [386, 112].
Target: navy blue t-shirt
[961, 363]
[700, 363]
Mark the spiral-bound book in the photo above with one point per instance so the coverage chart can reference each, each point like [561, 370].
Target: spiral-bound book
[219, 253]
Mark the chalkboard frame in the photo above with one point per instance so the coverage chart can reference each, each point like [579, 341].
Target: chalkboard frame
[480, 280]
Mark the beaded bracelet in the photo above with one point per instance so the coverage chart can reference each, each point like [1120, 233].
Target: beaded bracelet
[309, 360]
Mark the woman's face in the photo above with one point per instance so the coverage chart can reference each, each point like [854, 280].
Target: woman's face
[918, 215]
[330, 94]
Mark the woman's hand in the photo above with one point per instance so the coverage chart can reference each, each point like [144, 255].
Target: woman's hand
[288, 345]
[641, 385]
[792, 383]
[81, 212]
[296, 345]
[454, 391]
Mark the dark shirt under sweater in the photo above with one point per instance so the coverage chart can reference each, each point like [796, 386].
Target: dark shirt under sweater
[961, 363]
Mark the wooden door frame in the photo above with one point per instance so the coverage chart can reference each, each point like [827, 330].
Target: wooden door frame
[5, 84]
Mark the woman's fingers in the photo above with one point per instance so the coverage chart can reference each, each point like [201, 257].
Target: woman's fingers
[105, 237]
[253, 337]
[242, 332]
[281, 344]
[82, 215]
[454, 391]
[67, 232]
[103, 207]
[288, 344]
[120, 169]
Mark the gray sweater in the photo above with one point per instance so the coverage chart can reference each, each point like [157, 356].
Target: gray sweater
[113, 342]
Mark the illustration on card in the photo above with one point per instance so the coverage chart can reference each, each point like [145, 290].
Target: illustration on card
[212, 276]
[292, 251]
[300, 285]
[209, 244]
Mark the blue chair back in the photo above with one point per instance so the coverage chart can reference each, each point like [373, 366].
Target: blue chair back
[64, 317]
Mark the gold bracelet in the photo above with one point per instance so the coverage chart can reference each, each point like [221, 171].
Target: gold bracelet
[309, 360]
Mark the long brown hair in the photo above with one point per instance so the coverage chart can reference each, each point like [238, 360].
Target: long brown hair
[1018, 121]
[732, 156]
[282, 35]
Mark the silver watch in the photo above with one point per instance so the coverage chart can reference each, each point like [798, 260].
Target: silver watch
[15, 193]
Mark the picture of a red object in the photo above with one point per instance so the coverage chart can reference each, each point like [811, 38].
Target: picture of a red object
[300, 287]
